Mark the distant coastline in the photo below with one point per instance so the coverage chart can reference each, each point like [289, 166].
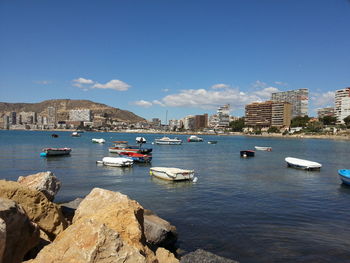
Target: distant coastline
[266, 135]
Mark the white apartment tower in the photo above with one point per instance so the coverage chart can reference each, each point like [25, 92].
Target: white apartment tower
[298, 98]
[223, 114]
[342, 104]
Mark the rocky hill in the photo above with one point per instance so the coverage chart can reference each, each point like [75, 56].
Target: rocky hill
[63, 106]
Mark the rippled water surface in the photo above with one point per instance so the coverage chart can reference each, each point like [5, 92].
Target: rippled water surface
[251, 210]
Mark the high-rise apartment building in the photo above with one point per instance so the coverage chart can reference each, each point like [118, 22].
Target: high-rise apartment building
[298, 98]
[258, 114]
[342, 104]
[223, 114]
[268, 113]
[281, 114]
[201, 121]
[51, 115]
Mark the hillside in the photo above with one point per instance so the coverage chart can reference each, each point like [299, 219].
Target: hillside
[63, 106]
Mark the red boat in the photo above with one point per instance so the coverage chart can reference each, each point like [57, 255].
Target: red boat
[137, 157]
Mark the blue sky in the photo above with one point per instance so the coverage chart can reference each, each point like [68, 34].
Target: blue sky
[181, 56]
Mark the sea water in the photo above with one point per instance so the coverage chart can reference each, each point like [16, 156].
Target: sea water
[248, 209]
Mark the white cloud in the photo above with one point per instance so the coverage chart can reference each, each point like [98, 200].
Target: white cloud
[280, 83]
[87, 84]
[83, 81]
[265, 93]
[143, 103]
[114, 84]
[220, 86]
[157, 102]
[165, 90]
[323, 99]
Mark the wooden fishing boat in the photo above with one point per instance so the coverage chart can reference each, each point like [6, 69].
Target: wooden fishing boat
[344, 176]
[135, 149]
[172, 174]
[55, 151]
[302, 164]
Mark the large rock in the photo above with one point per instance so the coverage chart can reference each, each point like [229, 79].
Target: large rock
[115, 210]
[158, 231]
[17, 233]
[39, 209]
[44, 182]
[202, 256]
[107, 227]
[89, 241]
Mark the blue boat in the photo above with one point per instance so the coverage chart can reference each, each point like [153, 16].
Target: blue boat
[344, 176]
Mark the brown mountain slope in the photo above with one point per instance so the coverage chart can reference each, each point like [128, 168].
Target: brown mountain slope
[63, 106]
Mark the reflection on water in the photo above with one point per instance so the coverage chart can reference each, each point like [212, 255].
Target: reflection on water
[251, 210]
[171, 184]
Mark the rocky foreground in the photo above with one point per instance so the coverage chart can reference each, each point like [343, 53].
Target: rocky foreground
[103, 227]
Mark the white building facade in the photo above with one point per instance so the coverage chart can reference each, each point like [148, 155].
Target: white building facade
[342, 104]
[298, 98]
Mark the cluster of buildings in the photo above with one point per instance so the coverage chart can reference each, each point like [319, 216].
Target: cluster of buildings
[276, 112]
[279, 111]
[284, 106]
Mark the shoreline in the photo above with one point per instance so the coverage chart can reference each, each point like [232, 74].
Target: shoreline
[345, 137]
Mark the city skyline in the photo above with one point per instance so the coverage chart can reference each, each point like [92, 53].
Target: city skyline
[184, 57]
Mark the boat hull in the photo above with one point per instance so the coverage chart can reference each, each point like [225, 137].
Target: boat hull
[98, 140]
[56, 151]
[168, 142]
[302, 164]
[247, 153]
[137, 157]
[263, 148]
[344, 175]
[116, 162]
[169, 175]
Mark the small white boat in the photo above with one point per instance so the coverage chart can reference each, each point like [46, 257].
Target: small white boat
[167, 141]
[172, 174]
[75, 134]
[263, 148]
[120, 143]
[141, 140]
[116, 161]
[101, 140]
[194, 138]
[55, 151]
[212, 142]
[302, 164]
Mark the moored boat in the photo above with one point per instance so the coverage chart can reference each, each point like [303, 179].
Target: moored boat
[116, 161]
[134, 149]
[137, 157]
[101, 140]
[247, 153]
[120, 143]
[344, 175]
[168, 141]
[172, 174]
[263, 148]
[302, 164]
[55, 151]
[212, 142]
[75, 134]
[194, 138]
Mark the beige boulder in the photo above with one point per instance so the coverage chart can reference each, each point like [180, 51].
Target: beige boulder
[107, 228]
[89, 241]
[117, 211]
[39, 209]
[44, 182]
[17, 233]
[165, 256]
